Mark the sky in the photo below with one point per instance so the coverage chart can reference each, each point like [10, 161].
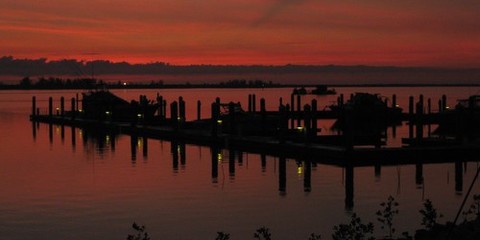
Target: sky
[439, 33]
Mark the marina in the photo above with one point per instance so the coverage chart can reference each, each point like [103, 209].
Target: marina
[204, 181]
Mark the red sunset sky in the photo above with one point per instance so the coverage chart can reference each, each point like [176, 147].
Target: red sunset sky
[403, 33]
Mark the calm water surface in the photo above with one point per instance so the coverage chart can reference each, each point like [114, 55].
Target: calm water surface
[64, 183]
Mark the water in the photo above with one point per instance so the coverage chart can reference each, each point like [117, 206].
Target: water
[74, 184]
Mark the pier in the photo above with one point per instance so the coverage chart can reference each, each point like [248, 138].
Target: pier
[291, 131]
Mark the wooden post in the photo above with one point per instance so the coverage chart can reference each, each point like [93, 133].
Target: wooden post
[282, 176]
[164, 108]
[444, 102]
[249, 102]
[262, 105]
[181, 111]
[34, 106]
[299, 109]
[292, 102]
[422, 103]
[174, 115]
[307, 122]
[160, 108]
[299, 103]
[314, 118]
[341, 101]
[283, 123]
[62, 107]
[394, 101]
[214, 118]
[50, 107]
[348, 129]
[429, 105]
[410, 106]
[214, 153]
[72, 107]
[419, 124]
[231, 116]
[199, 110]
[77, 102]
[254, 103]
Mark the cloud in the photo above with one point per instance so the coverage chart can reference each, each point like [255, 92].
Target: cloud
[273, 10]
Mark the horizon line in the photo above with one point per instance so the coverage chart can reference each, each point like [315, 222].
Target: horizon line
[49, 60]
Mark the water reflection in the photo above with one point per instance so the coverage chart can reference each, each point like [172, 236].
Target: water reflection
[102, 141]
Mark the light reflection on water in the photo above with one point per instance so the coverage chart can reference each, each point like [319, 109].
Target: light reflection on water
[79, 184]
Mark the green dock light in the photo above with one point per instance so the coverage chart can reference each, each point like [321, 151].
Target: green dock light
[219, 122]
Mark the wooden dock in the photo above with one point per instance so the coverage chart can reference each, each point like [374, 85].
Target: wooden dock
[288, 132]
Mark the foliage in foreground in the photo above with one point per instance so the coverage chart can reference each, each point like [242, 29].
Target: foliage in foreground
[355, 229]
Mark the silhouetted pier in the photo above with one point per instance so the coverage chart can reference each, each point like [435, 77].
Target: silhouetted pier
[291, 131]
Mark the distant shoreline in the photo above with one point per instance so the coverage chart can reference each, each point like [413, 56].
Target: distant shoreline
[216, 86]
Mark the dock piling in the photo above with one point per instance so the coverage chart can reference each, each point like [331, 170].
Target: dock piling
[50, 107]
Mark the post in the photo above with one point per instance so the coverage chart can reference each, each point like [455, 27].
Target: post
[214, 112]
[419, 122]
[307, 177]
[160, 104]
[62, 107]
[34, 106]
[444, 102]
[307, 122]
[263, 114]
[254, 103]
[174, 115]
[429, 105]
[231, 116]
[394, 101]
[50, 107]
[292, 102]
[72, 107]
[215, 154]
[249, 102]
[282, 176]
[283, 123]
[181, 104]
[314, 118]
[299, 108]
[410, 106]
[199, 110]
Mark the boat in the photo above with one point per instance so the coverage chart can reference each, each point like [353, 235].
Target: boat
[104, 105]
[366, 112]
[299, 91]
[323, 90]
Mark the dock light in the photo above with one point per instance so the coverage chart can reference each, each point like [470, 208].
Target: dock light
[139, 115]
[80, 110]
[300, 128]
[107, 112]
[396, 105]
[299, 170]
[219, 121]
[447, 107]
[124, 84]
[58, 110]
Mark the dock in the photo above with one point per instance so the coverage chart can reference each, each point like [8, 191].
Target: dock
[290, 132]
